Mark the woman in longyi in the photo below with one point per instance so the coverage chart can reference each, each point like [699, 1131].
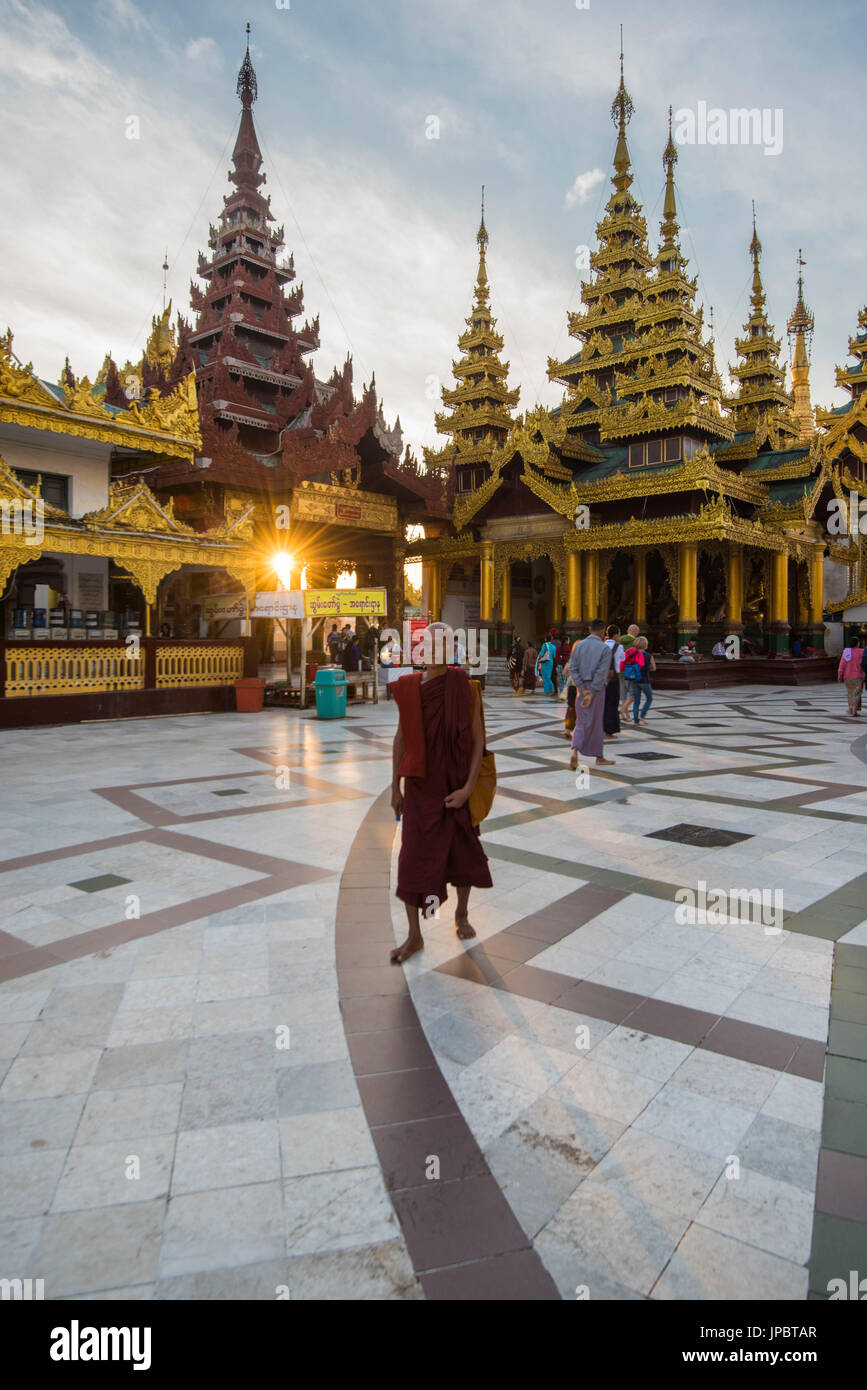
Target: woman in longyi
[438, 751]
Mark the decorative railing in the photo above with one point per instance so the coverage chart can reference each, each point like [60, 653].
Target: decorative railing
[35, 668]
[189, 665]
[40, 669]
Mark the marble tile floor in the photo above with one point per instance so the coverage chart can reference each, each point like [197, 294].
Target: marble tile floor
[212, 1086]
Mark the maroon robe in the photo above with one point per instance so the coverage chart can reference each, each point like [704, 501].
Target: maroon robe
[441, 845]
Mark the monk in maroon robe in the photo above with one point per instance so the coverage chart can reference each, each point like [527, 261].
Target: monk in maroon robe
[438, 751]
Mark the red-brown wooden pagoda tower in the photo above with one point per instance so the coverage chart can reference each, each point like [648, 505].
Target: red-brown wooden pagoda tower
[271, 430]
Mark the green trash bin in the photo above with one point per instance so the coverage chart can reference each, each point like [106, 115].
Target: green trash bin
[330, 687]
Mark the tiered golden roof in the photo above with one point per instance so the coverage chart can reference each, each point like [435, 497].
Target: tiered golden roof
[761, 404]
[644, 367]
[614, 300]
[481, 404]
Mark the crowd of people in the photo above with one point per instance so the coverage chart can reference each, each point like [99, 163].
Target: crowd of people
[604, 678]
[349, 650]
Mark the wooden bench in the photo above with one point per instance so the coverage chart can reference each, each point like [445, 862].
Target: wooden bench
[364, 679]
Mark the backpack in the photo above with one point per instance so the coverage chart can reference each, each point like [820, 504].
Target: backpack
[633, 664]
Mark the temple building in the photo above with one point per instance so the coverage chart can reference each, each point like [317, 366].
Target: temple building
[846, 446]
[82, 555]
[334, 489]
[649, 494]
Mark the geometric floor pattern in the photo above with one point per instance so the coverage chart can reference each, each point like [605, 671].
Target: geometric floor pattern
[646, 1079]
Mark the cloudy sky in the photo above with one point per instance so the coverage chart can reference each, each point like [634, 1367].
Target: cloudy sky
[382, 218]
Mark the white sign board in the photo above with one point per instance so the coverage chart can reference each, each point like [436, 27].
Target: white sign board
[222, 607]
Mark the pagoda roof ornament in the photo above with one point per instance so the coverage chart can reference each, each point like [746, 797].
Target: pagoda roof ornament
[482, 234]
[621, 114]
[248, 89]
[802, 320]
[622, 107]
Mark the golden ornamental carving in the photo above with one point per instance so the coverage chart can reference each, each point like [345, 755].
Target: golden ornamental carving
[530, 548]
[133, 505]
[175, 414]
[147, 574]
[77, 411]
[17, 382]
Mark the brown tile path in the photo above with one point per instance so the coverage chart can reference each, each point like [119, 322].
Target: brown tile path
[463, 1237]
[500, 962]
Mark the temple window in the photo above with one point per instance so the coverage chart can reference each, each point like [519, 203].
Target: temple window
[55, 487]
[647, 453]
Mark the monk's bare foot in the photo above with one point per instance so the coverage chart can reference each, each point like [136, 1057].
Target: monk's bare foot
[573, 762]
[463, 928]
[605, 762]
[403, 953]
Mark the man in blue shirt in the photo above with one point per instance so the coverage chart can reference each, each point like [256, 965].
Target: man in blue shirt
[589, 666]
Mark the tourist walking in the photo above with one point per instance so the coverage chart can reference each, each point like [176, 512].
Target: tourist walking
[529, 673]
[851, 672]
[589, 665]
[438, 750]
[564, 651]
[638, 665]
[545, 665]
[611, 709]
[515, 665]
[625, 694]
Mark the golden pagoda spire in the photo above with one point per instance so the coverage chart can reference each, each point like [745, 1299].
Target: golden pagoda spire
[621, 115]
[800, 327]
[482, 239]
[610, 324]
[675, 383]
[757, 298]
[668, 227]
[761, 404]
[481, 404]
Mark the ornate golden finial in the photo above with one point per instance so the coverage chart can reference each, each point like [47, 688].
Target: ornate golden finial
[621, 114]
[668, 226]
[482, 234]
[165, 273]
[758, 294]
[621, 107]
[802, 320]
[248, 89]
[669, 156]
[755, 244]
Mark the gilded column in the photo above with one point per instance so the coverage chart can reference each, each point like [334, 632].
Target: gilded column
[778, 636]
[687, 592]
[591, 585]
[506, 594]
[437, 585]
[573, 586]
[734, 589]
[639, 595]
[556, 601]
[816, 629]
[399, 582]
[486, 595]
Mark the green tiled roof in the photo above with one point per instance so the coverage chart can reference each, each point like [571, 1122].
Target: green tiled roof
[774, 458]
[791, 491]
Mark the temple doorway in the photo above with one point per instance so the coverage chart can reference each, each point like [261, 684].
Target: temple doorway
[661, 605]
[620, 591]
